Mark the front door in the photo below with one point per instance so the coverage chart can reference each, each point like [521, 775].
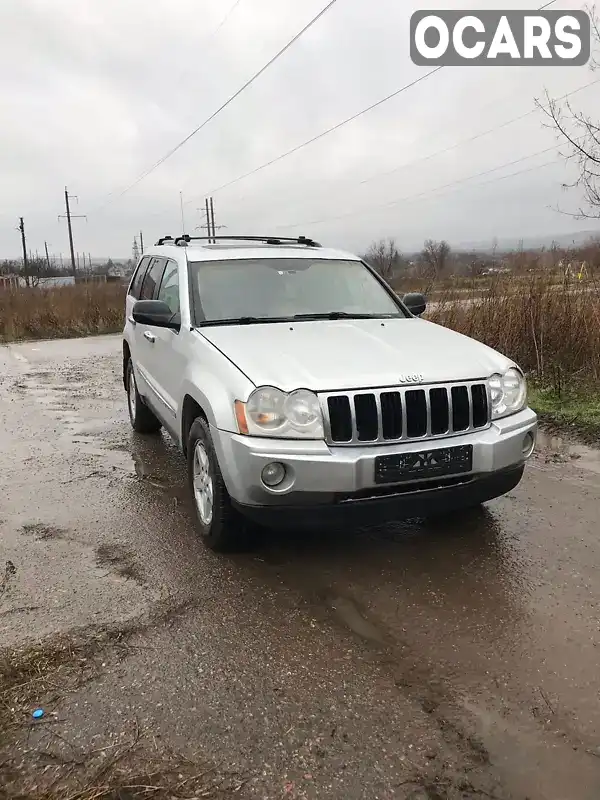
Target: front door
[145, 335]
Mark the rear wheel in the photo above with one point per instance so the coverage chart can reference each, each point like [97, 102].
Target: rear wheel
[142, 418]
[221, 527]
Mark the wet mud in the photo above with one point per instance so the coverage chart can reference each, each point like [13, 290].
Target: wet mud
[455, 659]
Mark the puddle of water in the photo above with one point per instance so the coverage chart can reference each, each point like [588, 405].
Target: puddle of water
[348, 613]
[563, 450]
[538, 763]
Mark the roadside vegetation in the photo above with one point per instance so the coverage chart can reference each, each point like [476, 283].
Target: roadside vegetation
[132, 764]
[541, 308]
[85, 309]
[552, 332]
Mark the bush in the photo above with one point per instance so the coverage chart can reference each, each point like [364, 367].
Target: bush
[552, 331]
[62, 312]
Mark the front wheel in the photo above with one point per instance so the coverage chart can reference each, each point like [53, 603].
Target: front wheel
[221, 527]
[142, 418]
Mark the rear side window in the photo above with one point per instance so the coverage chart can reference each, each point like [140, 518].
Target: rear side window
[152, 279]
[136, 283]
[169, 287]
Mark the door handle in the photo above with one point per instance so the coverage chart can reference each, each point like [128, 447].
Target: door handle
[150, 336]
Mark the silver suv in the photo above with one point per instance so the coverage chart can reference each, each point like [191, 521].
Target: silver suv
[303, 391]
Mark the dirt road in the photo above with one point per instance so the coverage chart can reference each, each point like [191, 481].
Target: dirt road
[448, 660]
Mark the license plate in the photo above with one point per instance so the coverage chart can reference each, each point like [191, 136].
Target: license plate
[424, 464]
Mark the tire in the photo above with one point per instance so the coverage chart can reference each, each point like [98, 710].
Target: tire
[142, 418]
[222, 528]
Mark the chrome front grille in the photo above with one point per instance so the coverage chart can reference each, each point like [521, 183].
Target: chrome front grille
[384, 416]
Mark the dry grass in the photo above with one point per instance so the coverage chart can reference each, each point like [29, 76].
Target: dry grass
[62, 312]
[552, 332]
[46, 760]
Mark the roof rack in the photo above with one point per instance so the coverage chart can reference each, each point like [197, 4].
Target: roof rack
[164, 240]
[186, 239]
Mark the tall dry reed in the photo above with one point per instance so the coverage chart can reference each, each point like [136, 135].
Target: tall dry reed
[61, 312]
[551, 331]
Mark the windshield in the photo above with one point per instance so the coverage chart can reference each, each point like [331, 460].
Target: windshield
[255, 290]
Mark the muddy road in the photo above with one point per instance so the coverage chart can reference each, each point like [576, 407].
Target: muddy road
[417, 660]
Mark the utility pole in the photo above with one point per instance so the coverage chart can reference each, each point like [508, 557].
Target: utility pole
[69, 217]
[47, 256]
[90, 260]
[21, 228]
[135, 251]
[141, 243]
[208, 225]
[212, 219]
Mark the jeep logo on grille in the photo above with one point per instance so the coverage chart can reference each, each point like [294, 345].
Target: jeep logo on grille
[416, 378]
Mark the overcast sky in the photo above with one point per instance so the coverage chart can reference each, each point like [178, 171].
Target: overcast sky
[94, 92]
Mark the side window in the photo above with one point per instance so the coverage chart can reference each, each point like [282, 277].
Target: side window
[169, 287]
[136, 283]
[152, 279]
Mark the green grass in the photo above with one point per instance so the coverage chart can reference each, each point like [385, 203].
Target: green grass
[577, 411]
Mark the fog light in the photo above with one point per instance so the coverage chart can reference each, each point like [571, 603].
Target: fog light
[273, 474]
[528, 444]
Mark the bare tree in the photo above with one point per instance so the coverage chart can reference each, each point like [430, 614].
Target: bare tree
[385, 257]
[434, 256]
[494, 249]
[580, 134]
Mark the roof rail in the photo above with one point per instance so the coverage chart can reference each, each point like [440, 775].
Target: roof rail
[186, 239]
[164, 240]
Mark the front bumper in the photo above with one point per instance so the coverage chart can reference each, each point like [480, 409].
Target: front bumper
[321, 476]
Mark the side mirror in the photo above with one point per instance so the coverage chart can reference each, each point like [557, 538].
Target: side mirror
[415, 302]
[157, 313]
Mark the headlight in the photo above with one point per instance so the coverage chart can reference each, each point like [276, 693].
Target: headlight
[271, 412]
[508, 393]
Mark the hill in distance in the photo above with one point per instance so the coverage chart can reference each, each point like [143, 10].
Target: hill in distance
[531, 242]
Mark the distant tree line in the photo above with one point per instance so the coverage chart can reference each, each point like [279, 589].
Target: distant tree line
[437, 261]
[39, 268]
[432, 262]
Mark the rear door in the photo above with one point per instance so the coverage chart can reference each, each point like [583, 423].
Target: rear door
[144, 335]
[167, 362]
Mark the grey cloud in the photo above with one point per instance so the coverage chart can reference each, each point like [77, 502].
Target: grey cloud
[95, 93]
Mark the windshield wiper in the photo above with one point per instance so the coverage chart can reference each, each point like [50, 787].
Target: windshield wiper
[293, 318]
[344, 315]
[241, 321]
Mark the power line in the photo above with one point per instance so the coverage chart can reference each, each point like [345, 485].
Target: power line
[338, 126]
[329, 130]
[471, 138]
[225, 18]
[418, 160]
[230, 100]
[205, 44]
[420, 195]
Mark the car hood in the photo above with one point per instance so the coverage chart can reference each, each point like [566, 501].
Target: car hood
[329, 355]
